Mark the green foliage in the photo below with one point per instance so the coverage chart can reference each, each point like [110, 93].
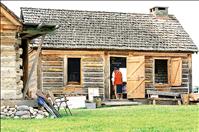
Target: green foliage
[144, 118]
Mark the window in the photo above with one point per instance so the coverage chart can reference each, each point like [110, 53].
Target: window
[73, 71]
[161, 71]
[161, 8]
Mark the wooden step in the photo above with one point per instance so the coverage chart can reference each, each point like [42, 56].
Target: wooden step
[120, 103]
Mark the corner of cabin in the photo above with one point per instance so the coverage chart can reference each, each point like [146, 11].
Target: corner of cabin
[11, 62]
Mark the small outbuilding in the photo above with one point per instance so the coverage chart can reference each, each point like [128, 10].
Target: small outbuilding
[11, 51]
[153, 51]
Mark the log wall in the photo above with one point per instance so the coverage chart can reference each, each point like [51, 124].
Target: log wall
[95, 70]
[33, 85]
[54, 70]
[186, 75]
[11, 61]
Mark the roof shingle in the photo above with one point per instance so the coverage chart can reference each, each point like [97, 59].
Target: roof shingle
[110, 30]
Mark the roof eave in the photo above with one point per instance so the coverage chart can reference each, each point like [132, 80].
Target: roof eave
[34, 30]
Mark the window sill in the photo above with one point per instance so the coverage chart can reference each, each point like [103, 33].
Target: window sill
[162, 85]
[73, 83]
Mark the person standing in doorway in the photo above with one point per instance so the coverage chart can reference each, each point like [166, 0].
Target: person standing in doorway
[117, 82]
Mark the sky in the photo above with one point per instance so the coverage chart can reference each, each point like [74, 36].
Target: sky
[185, 11]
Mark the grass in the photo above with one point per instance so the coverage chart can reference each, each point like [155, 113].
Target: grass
[144, 118]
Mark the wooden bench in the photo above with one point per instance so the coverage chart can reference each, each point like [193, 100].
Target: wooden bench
[157, 95]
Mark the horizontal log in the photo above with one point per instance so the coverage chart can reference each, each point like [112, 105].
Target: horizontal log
[148, 70]
[52, 69]
[8, 83]
[93, 65]
[149, 65]
[9, 27]
[9, 94]
[8, 71]
[71, 52]
[52, 79]
[7, 48]
[5, 20]
[53, 74]
[8, 63]
[19, 62]
[8, 53]
[93, 84]
[185, 76]
[53, 83]
[7, 58]
[8, 34]
[52, 58]
[93, 70]
[52, 63]
[92, 75]
[160, 54]
[92, 59]
[96, 80]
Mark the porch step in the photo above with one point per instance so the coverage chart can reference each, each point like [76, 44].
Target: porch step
[120, 103]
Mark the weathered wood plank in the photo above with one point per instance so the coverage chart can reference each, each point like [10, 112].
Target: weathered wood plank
[162, 93]
[33, 67]
[52, 63]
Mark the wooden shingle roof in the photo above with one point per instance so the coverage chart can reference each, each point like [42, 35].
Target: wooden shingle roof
[110, 30]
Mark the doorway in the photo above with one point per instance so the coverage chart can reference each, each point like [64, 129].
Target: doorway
[119, 62]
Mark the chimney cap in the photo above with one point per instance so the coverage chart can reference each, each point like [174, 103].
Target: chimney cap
[159, 10]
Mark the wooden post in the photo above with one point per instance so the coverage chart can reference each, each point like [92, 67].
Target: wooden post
[33, 67]
[106, 75]
[39, 72]
[190, 73]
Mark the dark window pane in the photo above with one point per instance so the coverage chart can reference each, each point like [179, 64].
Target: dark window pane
[161, 72]
[74, 70]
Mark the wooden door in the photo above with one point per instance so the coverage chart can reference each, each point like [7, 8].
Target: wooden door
[176, 71]
[135, 77]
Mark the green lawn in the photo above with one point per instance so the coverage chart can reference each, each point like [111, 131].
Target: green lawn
[115, 119]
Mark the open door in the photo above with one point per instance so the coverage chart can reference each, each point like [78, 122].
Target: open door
[176, 71]
[135, 77]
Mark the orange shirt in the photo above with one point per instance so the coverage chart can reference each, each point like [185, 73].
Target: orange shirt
[118, 77]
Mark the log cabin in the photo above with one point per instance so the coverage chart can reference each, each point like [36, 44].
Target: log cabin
[14, 51]
[11, 51]
[153, 51]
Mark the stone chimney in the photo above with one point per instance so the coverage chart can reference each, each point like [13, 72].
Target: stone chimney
[159, 11]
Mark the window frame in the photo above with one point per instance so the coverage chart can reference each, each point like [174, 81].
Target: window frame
[168, 72]
[66, 83]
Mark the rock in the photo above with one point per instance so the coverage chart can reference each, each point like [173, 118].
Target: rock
[36, 110]
[39, 116]
[16, 117]
[34, 113]
[3, 116]
[31, 110]
[5, 110]
[9, 113]
[25, 116]
[46, 114]
[12, 115]
[2, 108]
[7, 107]
[32, 116]
[23, 108]
[20, 113]
[15, 111]
[12, 109]
[40, 112]
[2, 113]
